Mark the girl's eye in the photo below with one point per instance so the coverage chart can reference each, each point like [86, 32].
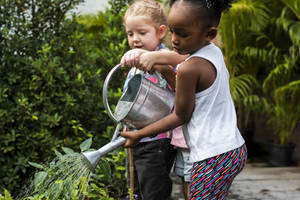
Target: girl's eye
[142, 33]
[129, 34]
[183, 35]
[179, 33]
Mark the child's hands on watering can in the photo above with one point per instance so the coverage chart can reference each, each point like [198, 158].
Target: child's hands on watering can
[147, 61]
[132, 138]
[132, 57]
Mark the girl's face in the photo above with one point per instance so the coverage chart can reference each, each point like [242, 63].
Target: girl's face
[142, 33]
[187, 33]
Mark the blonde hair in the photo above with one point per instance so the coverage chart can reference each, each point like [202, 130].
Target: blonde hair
[150, 8]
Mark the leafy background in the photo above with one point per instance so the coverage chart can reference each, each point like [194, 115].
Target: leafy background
[52, 71]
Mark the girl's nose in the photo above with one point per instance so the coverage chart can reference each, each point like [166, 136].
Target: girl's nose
[174, 39]
[136, 37]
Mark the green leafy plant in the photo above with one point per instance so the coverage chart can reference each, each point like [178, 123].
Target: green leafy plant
[52, 72]
[6, 196]
[244, 17]
[281, 85]
[260, 41]
[68, 177]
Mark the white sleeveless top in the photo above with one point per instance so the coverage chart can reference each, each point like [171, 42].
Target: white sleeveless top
[212, 129]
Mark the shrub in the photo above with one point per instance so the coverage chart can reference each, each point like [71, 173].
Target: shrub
[51, 78]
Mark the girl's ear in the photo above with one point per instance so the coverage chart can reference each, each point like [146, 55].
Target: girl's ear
[212, 33]
[162, 31]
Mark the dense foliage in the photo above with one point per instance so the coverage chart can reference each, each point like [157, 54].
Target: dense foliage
[52, 72]
[260, 41]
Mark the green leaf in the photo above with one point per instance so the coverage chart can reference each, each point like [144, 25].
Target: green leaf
[34, 117]
[56, 190]
[84, 146]
[7, 195]
[67, 150]
[105, 169]
[39, 179]
[36, 165]
[57, 153]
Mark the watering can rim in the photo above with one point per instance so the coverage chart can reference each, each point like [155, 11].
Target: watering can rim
[105, 88]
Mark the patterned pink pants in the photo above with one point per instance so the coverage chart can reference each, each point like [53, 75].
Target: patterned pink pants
[211, 178]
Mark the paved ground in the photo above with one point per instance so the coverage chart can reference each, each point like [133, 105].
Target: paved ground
[259, 182]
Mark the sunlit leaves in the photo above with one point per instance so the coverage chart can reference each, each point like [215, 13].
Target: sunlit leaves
[39, 178]
[261, 39]
[36, 165]
[84, 146]
[294, 5]
[6, 196]
[242, 86]
[67, 150]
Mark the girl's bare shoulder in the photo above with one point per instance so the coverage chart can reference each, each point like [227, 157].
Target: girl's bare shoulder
[195, 65]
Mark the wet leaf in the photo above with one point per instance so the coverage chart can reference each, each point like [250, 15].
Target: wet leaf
[84, 146]
[67, 150]
[56, 190]
[39, 179]
[105, 169]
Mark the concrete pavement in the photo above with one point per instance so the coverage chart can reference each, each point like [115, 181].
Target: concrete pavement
[258, 181]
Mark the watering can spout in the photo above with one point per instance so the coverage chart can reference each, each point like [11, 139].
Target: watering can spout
[93, 157]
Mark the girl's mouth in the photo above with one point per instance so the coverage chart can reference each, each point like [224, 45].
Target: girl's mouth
[179, 51]
[176, 49]
[138, 46]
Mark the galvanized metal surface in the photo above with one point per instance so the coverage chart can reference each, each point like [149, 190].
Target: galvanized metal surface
[94, 156]
[150, 102]
[141, 104]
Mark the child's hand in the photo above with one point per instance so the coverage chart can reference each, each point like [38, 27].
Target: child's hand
[132, 57]
[132, 138]
[148, 60]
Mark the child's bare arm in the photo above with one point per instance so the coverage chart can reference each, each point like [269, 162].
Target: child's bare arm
[132, 57]
[164, 57]
[163, 62]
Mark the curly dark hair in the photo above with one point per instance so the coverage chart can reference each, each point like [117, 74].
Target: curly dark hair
[213, 9]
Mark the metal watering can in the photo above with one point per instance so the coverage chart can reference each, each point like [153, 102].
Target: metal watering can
[142, 103]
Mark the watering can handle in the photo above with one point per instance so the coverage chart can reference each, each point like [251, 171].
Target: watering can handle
[104, 92]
